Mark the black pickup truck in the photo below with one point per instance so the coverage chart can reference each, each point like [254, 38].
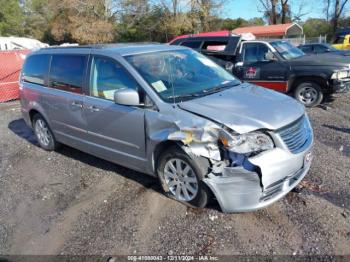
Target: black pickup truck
[275, 64]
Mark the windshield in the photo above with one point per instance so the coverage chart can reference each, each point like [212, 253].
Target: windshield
[181, 74]
[286, 50]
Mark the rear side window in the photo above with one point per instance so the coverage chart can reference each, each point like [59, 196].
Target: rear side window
[35, 69]
[215, 45]
[67, 72]
[320, 48]
[192, 44]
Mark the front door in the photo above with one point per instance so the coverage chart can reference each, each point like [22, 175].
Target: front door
[254, 67]
[115, 132]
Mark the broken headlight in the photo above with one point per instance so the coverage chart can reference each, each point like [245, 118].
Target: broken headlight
[248, 143]
[341, 74]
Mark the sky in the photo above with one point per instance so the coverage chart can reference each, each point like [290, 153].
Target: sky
[250, 8]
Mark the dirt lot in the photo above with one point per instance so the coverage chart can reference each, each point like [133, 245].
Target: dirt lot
[68, 202]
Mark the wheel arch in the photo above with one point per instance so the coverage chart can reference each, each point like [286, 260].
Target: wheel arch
[32, 113]
[294, 82]
[159, 149]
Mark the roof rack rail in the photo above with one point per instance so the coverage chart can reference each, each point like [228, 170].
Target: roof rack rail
[100, 46]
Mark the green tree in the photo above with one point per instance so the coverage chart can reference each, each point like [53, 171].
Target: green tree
[256, 21]
[314, 27]
[85, 22]
[38, 15]
[11, 18]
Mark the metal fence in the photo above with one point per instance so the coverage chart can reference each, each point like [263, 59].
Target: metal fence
[10, 67]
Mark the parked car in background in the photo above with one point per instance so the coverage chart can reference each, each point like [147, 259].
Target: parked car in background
[170, 112]
[342, 42]
[275, 64]
[322, 48]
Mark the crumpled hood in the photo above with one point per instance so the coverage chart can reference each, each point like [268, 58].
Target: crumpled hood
[246, 108]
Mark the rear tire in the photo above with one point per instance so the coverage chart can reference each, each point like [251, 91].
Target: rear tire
[44, 134]
[309, 94]
[181, 177]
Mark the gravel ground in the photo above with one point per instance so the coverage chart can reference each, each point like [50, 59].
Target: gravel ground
[69, 202]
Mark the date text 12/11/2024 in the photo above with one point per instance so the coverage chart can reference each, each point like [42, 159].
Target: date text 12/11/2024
[171, 258]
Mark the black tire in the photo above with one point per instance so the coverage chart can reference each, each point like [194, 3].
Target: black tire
[199, 165]
[308, 93]
[52, 143]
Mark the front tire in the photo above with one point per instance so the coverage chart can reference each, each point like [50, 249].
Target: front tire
[44, 134]
[181, 177]
[309, 94]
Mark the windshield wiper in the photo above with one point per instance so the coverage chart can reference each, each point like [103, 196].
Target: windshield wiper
[184, 96]
[219, 88]
[206, 92]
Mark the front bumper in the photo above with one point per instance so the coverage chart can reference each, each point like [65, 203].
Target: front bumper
[341, 86]
[240, 190]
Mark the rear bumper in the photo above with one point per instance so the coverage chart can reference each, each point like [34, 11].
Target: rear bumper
[239, 190]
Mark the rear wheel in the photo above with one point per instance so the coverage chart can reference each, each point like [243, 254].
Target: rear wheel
[309, 94]
[43, 133]
[181, 177]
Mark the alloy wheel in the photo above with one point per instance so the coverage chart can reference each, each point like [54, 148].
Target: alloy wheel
[42, 132]
[181, 179]
[308, 95]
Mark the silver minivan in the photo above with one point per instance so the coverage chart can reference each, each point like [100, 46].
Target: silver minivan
[169, 112]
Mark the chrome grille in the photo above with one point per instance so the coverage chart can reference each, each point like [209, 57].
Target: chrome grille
[297, 136]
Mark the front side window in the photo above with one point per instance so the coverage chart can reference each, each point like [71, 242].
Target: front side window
[287, 50]
[35, 69]
[182, 74]
[107, 76]
[254, 52]
[339, 40]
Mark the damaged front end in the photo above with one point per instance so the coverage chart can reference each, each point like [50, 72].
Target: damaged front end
[248, 171]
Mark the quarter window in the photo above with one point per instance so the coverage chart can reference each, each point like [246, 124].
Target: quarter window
[107, 76]
[35, 69]
[67, 72]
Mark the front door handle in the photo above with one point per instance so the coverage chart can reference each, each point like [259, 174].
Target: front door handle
[77, 104]
[93, 108]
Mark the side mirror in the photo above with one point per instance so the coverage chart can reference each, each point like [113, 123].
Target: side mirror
[127, 97]
[269, 56]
